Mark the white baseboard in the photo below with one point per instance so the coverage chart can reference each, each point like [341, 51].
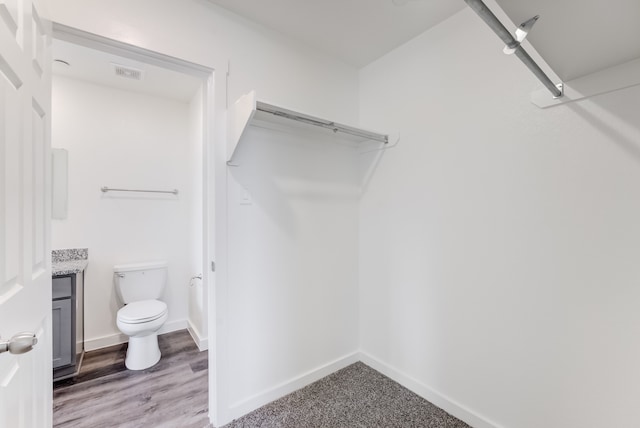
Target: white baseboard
[445, 403]
[247, 405]
[201, 342]
[117, 338]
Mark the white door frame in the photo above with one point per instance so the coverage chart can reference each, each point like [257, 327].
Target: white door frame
[214, 186]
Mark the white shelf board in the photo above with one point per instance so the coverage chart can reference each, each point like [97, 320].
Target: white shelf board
[248, 111]
[608, 80]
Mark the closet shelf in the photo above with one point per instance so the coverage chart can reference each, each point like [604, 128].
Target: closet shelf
[248, 110]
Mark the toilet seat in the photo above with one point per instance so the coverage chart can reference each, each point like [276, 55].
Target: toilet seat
[142, 311]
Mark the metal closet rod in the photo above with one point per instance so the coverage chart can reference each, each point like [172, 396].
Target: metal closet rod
[487, 16]
[335, 127]
[110, 189]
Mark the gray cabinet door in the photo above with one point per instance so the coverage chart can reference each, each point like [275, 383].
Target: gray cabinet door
[62, 328]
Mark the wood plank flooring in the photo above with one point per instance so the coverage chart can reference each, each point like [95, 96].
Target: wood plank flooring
[173, 393]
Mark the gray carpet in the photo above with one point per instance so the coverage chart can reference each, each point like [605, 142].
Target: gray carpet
[356, 396]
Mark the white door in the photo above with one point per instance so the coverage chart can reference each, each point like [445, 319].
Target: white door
[25, 271]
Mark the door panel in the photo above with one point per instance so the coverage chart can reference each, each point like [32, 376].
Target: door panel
[38, 169]
[39, 43]
[12, 17]
[9, 193]
[62, 328]
[25, 271]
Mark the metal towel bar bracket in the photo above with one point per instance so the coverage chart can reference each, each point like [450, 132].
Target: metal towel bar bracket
[105, 189]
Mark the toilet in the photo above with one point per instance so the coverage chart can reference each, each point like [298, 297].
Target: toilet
[140, 286]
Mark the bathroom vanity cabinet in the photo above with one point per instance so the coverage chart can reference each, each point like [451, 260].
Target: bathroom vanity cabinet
[68, 324]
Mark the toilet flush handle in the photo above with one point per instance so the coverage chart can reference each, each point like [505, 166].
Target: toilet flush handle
[120, 275]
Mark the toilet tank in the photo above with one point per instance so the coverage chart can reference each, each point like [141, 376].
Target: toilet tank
[140, 281]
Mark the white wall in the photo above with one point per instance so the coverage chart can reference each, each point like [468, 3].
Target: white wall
[293, 246]
[126, 140]
[197, 291]
[498, 241]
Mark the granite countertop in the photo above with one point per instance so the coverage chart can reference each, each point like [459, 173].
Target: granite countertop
[68, 267]
[69, 261]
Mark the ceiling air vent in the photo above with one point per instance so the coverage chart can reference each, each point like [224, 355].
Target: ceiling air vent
[128, 72]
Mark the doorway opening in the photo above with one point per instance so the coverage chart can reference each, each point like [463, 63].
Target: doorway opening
[133, 119]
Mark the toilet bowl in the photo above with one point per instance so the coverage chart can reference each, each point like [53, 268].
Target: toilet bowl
[141, 321]
[140, 287]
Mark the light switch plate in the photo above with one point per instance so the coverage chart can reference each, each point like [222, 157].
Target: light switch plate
[245, 199]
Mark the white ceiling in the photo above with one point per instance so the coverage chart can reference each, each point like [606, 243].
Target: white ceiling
[96, 66]
[575, 37]
[356, 31]
[580, 37]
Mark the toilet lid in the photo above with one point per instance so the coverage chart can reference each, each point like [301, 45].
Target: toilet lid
[142, 311]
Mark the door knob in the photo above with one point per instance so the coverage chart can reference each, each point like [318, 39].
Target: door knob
[19, 343]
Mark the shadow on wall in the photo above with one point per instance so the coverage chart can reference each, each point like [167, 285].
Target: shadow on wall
[277, 170]
[618, 124]
[370, 161]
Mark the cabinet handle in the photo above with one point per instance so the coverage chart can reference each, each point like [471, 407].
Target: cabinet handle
[19, 343]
